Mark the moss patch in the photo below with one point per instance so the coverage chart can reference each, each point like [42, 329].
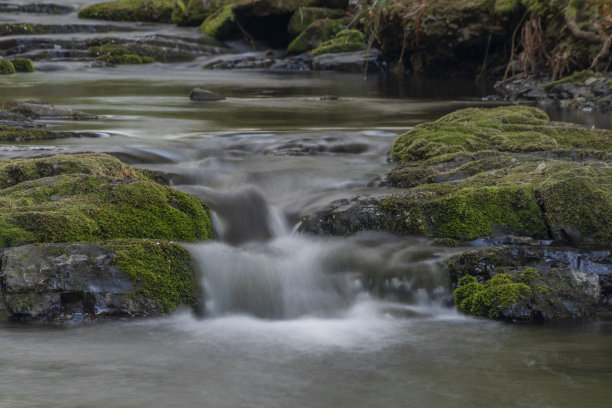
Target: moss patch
[6, 67]
[316, 33]
[162, 271]
[16, 29]
[70, 198]
[159, 11]
[23, 65]
[220, 24]
[343, 41]
[490, 299]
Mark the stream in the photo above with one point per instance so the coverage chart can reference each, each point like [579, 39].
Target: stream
[288, 321]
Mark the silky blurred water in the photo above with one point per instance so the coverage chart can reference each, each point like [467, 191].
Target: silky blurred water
[290, 320]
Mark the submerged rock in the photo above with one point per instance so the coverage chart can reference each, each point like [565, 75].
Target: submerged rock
[81, 282]
[533, 283]
[199, 94]
[37, 109]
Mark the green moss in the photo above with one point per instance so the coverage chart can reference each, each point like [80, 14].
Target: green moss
[305, 16]
[162, 271]
[159, 11]
[477, 171]
[120, 54]
[70, 198]
[490, 299]
[219, 24]
[16, 29]
[19, 134]
[316, 33]
[6, 67]
[344, 41]
[23, 65]
[576, 78]
[508, 6]
[506, 129]
[194, 12]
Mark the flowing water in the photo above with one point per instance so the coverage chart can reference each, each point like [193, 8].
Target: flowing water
[290, 320]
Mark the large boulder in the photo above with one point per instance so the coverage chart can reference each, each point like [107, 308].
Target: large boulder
[92, 197]
[80, 282]
[483, 172]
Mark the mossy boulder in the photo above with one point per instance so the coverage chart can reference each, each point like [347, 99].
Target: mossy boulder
[193, 12]
[92, 197]
[344, 41]
[481, 172]
[23, 65]
[159, 11]
[317, 32]
[532, 283]
[305, 16]
[28, 134]
[6, 67]
[79, 282]
[221, 24]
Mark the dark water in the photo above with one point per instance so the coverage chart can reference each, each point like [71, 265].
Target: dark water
[289, 322]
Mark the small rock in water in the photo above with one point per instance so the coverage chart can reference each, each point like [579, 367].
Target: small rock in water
[199, 94]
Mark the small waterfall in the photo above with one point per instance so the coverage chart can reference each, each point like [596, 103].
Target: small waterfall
[293, 276]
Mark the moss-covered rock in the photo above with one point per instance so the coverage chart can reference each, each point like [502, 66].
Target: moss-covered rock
[6, 67]
[305, 16]
[159, 11]
[479, 172]
[25, 134]
[36, 109]
[194, 12]
[531, 283]
[79, 282]
[91, 197]
[220, 24]
[316, 33]
[125, 52]
[343, 41]
[23, 65]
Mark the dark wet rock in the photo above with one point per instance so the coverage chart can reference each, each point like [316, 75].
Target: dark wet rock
[37, 109]
[302, 62]
[42, 8]
[199, 94]
[533, 283]
[8, 118]
[358, 61]
[79, 282]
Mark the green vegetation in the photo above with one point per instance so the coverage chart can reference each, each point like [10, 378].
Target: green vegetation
[316, 33]
[122, 53]
[305, 16]
[475, 171]
[219, 24]
[6, 67]
[16, 29]
[490, 299]
[161, 270]
[159, 11]
[23, 65]
[343, 41]
[193, 12]
[19, 134]
[70, 198]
